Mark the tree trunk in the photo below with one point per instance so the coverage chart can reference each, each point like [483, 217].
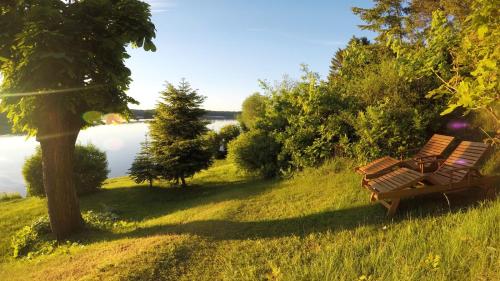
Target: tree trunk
[150, 183]
[57, 139]
[183, 180]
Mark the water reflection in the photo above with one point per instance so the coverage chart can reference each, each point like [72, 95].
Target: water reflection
[121, 143]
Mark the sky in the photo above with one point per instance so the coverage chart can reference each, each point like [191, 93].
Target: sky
[223, 47]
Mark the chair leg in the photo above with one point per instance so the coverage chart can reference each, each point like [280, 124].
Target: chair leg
[364, 181]
[393, 207]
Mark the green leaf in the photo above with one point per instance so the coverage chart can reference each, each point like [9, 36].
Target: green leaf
[450, 109]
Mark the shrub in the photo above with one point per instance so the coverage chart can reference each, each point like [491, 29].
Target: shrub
[229, 132]
[213, 141]
[218, 142]
[33, 174]
[386, 129]
[32, 239]
[90, 171]
[256, 151]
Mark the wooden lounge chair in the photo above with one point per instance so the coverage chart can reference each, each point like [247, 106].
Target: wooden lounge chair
[457, 173]
[432, 150]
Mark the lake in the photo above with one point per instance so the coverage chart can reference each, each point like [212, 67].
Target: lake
[120, 142]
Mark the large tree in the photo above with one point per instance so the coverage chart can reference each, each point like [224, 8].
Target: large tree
[59, 60]
[177, 131]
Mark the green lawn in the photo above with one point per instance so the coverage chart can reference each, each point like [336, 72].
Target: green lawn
[319, 225]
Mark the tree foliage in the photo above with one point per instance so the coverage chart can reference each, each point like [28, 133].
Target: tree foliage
[462, 54]
[387, 18]
[68, 56]
[377, 100]
[252, 109]
[144, 168]
[177, 133]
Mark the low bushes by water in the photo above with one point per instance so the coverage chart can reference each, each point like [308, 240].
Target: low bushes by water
[90, 171]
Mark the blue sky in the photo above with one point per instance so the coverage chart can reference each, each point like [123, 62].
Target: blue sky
[222, 47]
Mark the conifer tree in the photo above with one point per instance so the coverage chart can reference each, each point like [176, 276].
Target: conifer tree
[177, 131]
[387, 18]
[144, 167]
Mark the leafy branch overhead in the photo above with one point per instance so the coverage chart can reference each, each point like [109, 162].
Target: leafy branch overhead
[76, 49]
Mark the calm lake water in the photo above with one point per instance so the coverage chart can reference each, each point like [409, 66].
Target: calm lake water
[121, 143]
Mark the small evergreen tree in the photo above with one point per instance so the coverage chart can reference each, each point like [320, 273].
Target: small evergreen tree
[144, 167]
[177, 131]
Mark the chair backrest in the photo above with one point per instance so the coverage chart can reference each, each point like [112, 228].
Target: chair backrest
[466, 155]
[435, 146]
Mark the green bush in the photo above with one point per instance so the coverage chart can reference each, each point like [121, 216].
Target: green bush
[90, 171]
[255, 151]
[217, 140]
[386, 129]
[229, 132]
[33, 239]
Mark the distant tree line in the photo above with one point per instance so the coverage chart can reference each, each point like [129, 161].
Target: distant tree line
[209, 114]
[6, 128]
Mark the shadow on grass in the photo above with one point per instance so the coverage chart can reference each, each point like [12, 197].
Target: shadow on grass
[372, 215]
[142, 202]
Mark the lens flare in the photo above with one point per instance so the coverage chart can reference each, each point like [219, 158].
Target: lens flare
[113, 118]
[458, 125]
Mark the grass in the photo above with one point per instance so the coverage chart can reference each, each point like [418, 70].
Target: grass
[317, 225]
[4, 196]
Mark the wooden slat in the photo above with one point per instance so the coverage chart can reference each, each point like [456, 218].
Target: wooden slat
[474, 144]
[379, 165]
[466, 156]
[435, 146]
[395, 180]
[469, 151]
[385, 179]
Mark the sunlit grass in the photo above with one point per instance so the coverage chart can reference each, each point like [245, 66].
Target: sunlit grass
[7, 196]
[317, 225]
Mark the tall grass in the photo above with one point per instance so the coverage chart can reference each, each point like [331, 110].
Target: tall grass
[6, 196]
